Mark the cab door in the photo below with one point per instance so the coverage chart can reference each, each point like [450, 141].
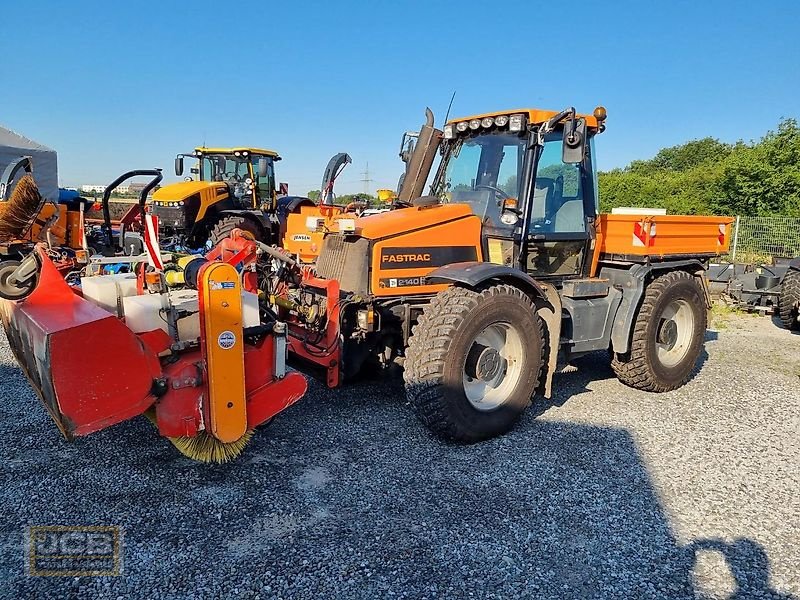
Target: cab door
[263, 190]
[562, 204]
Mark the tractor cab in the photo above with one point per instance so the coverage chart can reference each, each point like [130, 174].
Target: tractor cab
[530, 177]
[249, 172]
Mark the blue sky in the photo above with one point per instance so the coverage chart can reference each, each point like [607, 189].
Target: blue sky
[120, 85]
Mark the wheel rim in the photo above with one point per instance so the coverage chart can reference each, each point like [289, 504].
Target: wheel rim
[493, 367]
[8, 290]
[674, 333]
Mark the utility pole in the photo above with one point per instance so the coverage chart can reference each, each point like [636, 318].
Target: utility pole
[366, 180]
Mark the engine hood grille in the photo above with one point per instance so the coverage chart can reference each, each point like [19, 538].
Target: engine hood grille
[345, 258]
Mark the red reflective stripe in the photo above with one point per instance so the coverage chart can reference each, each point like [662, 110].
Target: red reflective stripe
[151, 242]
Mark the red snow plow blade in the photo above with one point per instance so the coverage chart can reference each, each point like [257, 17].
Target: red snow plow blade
[88, 368]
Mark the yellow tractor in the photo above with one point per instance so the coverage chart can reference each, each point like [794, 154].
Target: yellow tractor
[229, 188]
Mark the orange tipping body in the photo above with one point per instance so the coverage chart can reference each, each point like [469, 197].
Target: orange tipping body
[661, 235]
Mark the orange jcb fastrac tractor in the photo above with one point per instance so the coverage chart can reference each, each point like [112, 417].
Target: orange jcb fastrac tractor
[480, 289]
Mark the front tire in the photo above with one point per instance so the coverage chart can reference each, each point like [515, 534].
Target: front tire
[473, 361]
[226, 225]
[789, 300]
[668, 335]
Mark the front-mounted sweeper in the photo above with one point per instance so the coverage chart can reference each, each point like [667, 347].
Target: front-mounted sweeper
[188, 343]
[480, 288]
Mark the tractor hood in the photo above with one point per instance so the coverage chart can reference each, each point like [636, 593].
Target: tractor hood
[184, 189]
[404, 220]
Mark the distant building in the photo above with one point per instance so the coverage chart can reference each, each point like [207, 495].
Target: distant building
[130, 188]
[89, 189]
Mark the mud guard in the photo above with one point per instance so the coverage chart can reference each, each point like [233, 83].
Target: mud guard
[550, 313]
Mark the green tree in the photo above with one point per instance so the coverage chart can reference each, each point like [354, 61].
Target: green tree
[707, 176]
[684, 156]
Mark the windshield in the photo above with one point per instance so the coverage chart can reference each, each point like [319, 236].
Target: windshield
[482, 171]
[220, 167]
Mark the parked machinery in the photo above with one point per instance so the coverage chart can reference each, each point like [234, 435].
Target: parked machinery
[768, 289]
[307, 222]
[789, 298]
[66, 230]
[479, 288]
[26, 219]
[235, 188]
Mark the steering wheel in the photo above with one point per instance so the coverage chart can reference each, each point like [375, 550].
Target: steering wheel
[496, 190]
[354, 206]
[233, 177]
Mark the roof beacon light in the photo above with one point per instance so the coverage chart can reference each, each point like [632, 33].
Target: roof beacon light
[600, 113]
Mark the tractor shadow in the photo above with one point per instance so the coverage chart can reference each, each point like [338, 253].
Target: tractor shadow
[776, 320]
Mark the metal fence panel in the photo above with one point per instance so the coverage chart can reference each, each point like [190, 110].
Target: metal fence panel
[760, 239]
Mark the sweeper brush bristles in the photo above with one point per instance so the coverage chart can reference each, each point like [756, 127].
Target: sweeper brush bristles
[19, 212]
[206, 448]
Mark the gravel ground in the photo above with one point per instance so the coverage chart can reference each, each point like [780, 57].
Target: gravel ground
[604, 492]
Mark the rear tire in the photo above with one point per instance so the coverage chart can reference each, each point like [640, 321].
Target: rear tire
[226, 225]
[789, 300]
[473, 361]
[668, 335]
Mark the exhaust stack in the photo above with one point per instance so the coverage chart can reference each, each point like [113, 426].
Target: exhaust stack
[418, 164]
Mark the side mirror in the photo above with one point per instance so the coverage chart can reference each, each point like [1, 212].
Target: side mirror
[574, 141]
[194, 171]
[407, 145]
[178, 166]
[263, 167]
[283, 189]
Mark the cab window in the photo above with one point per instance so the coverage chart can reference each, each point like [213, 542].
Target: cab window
[483, 171]
[558, 194]
[223, 168]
